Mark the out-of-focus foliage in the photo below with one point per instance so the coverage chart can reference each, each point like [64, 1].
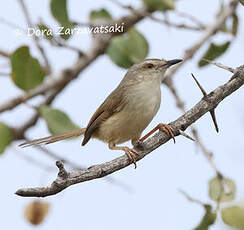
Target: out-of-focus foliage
[214, 51]
[60, 13]
[161, 5]
[6, 137]
[242, 2]
[208, 218]
[57, 121]
[222, 190]
[36, 211]
[233, 216]
[27, 73]
[125, 50]
[100, 14]
[229, 27]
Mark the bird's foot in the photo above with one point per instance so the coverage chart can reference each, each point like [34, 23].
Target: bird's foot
[162, 127]
[167, 129]
[131, 154]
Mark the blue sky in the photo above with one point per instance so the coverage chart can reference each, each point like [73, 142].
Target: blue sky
[150, 196]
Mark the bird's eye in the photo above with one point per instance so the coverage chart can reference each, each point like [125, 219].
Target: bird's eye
[149, 65]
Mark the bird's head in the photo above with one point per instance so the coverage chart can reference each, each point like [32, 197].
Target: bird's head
[151, 68]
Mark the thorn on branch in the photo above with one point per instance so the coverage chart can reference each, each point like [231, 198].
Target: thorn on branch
[212, 112]
[186, 135]
[230, 69]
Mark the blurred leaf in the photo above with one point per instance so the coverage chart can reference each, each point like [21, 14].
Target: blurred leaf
[161, 5]
[235, 24]
[6, 137]
[27, 72]
[100, 14]
[233, 216]
[216, 192]
[214, 51]
[208, 219]
[57, 121]
[138, 47]
[242, 2]
[36, 211]
[127, 49]
[47, 32]
[60, 13]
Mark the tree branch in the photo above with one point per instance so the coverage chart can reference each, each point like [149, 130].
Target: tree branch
[228, 11]
[209, 102]
[97, 48]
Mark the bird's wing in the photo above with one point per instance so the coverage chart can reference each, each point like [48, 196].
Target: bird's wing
[112, 104]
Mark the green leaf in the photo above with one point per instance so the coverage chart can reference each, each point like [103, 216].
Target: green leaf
[216, 192]
[127, 49]
[138, 46]
[161, 5]
[57, 121]
[27, 72]
[235, 24]
[60, 13]
[208, 219]
[242, 2]
[100, 14]
[233, 216]
[6, 137]
[46, 31]
[214, 51]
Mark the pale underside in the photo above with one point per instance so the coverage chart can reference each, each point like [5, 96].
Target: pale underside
[129, 123]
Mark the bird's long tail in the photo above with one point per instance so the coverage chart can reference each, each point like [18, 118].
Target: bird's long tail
[54, 138]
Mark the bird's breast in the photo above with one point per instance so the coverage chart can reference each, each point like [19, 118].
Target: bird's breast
[143, 102]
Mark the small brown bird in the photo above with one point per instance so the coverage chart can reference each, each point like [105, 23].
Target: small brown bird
[127, 111]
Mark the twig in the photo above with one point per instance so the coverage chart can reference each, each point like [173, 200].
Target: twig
[209, 31]
[36, 40]
[4, 54]
[181, 106]
[159, 20]
[230, 69]
[202, 107]
[189, 198]
[97, 48]
[191, 17]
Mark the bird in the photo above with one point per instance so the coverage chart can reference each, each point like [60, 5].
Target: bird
[127, 110]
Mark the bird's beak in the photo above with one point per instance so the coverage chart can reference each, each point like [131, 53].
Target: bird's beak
[173, 62]
[170, 63]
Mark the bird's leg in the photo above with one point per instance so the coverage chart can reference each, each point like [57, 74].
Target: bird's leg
[164, 128]
[129, 152]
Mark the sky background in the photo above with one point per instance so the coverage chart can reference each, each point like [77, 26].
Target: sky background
[147, 197]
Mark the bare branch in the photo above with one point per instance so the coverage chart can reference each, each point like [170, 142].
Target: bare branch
[181, 106]
[210, 31]
[191, 18]
[4, 54]
[97, 48]
[164, 21]
[202, 107]
[36, 40]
